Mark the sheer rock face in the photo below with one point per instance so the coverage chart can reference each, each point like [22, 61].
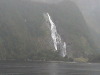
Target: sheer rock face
[23, 30]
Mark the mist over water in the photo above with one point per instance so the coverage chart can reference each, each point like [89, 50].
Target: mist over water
[57, 40]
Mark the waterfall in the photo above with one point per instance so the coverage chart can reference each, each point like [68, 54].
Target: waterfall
[57, 41]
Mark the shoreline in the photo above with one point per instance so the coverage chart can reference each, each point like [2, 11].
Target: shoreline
[42, 61]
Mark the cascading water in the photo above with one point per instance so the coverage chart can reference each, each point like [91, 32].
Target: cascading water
[57, 41]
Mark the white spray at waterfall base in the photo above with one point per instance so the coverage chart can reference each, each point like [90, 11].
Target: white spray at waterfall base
[57, 41]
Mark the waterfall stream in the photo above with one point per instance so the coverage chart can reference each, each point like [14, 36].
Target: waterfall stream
[57, 41]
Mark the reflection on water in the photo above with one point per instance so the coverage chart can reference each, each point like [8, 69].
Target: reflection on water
[49, 68]
[53, 69]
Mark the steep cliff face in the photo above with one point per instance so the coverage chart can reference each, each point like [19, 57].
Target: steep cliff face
[24, 33]
[72, 27]
[90, 10]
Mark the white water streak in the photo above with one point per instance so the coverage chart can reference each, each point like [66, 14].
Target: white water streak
[56, 37]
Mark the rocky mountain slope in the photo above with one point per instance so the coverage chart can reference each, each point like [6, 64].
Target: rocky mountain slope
[24, 33]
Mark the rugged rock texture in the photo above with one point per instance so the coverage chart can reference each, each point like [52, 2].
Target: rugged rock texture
[24, 34]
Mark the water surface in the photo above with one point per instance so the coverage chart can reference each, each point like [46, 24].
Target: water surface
[49, 68]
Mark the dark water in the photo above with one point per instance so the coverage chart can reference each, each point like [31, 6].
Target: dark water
[49, 68]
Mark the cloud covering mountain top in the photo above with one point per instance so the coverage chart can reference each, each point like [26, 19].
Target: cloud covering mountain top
[90, 10]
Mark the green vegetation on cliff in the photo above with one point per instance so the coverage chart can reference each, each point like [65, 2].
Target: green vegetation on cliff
[24, 35]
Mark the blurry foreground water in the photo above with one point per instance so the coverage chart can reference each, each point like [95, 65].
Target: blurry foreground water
[48, 68]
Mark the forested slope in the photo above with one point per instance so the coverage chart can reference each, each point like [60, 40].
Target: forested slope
[24, 35]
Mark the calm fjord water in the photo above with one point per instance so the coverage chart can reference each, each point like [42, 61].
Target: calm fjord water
[49, 68]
